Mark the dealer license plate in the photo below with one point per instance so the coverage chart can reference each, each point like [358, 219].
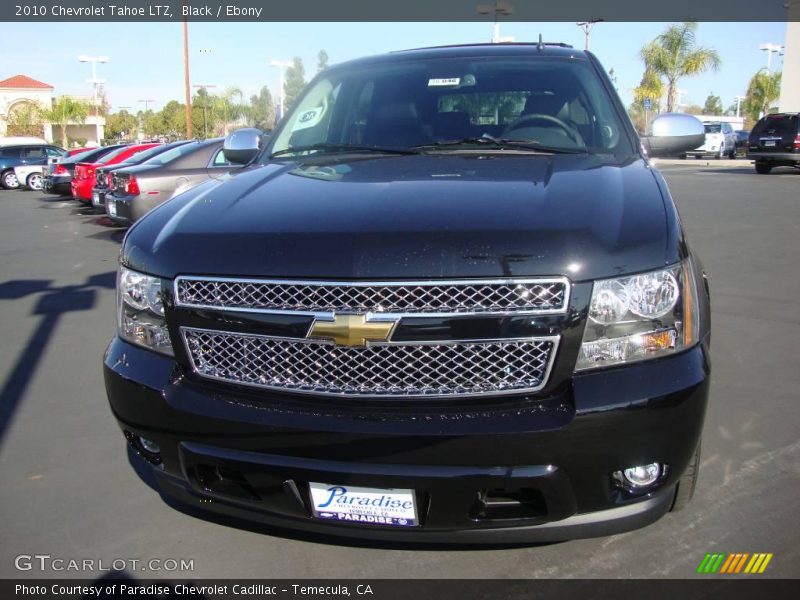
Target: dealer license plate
[96, 199]
[769, 143]
[111, 207]
[364, 506]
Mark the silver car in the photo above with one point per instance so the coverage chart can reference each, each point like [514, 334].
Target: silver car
[720, 141]
[138, 189]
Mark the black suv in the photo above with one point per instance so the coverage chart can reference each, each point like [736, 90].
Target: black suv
[449, 300]
[775, 142]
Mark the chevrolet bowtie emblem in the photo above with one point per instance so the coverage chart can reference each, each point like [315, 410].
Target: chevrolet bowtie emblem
[351, 330]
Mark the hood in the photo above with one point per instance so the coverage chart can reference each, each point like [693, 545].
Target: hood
[419, 216]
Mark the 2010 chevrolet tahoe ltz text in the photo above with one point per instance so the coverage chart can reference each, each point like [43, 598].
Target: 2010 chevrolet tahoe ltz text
[448, 300]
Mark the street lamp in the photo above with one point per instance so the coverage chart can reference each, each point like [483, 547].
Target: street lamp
[94, 80]
[738, 103]
[587, 30]
[281, 65]
[769, 49]
[205, 106]
[499, 8]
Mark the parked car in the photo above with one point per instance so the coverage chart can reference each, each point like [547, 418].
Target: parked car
[58, 177]
[449, 301]
[103, 173]
[138, 189]
[720, 142]
[741, 142]
[775, 142]
[24, 154]
[84, 177]
[30, 176]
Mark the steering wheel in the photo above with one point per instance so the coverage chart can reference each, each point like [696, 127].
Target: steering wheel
[549, 120]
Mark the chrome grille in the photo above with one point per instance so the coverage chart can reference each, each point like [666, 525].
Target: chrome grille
[412, 369]
[439, 297]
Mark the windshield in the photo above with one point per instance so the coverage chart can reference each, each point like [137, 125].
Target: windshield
[167, 157]
[143, 155]
[112, 155]
[713, 128]
[547, 102]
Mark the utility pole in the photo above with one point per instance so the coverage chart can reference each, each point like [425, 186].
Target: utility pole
[205, 107]
[587, 30]
[186, 87]
[141, 123]
[770, 48]
[281, 65]
[498, 8]
[739, 103]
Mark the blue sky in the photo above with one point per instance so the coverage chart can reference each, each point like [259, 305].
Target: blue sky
[147, 58]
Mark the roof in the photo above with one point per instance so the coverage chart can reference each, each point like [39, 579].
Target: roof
[470, 51]
[24, 82]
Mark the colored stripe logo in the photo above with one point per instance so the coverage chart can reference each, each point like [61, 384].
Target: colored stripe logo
[734, 563]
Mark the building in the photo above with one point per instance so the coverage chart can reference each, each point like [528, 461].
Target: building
[790, 80]
[21, 91]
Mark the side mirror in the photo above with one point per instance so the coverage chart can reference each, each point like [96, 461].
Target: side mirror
[242, 145]
[672, 133]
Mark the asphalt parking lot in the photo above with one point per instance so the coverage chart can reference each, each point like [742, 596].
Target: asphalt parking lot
[68, 491]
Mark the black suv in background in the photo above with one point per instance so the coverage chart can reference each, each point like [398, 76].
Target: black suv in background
[775, 142]
[449, 300]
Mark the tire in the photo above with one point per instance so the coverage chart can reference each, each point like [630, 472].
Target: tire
[34, 181]
[683, 156]
[687, 483]
[762, 168]
[721, 153]
[9, 180]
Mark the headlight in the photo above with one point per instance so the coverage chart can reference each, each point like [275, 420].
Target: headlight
[140, 311]
[640, 317]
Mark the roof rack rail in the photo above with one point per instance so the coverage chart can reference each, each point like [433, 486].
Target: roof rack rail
[555, 44]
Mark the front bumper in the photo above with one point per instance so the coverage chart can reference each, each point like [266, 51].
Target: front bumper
[251, 455]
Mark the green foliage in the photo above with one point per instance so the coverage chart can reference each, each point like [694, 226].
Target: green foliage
[675, 54]
[650, 87]
[322, 60]
[713, 105]
[121, 125]
[25, 119]
[66, 110]
[261, 111]
[294, 82]
[762, 91]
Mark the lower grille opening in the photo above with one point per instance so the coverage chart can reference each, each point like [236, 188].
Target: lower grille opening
[508, 503]
[225, 482]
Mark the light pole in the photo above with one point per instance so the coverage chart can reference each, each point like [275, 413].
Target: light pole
[738, 103]
[769, 49]
[186, 88]
[141, 122]
[587, 30]
[94, 80]
[499, 8]
[205, 106]
[281, 65]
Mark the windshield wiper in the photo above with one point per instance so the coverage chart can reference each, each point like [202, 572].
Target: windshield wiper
[331, 147]
[490, 140]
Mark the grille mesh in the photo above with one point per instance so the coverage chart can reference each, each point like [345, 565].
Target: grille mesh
[471, 297]
[430, 369]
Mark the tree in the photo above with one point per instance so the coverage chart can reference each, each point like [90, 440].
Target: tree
[763, 90]
[650, 88]
[121, 125]
[261, 112]
[322, 60]
[66, 110]
[294, 83]
[675, 54]
[713, 105]
[230, 105]
[25, 119]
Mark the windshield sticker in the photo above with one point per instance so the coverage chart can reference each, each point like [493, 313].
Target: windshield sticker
[308, 118]
[444, 82]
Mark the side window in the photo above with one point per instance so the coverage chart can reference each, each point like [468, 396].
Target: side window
[33, 153]
[10, 152]
[219, 160]
[54, 152]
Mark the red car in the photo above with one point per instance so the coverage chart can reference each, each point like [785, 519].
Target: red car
[85, 177]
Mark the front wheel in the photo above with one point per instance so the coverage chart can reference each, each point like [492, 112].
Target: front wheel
[687, 483]
[762, 168]
[34, 181]
[9, 180]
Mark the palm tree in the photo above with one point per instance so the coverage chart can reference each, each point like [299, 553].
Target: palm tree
[66, 110]
[650, 87]
[763, 90]
[675, 54]
[231, 105]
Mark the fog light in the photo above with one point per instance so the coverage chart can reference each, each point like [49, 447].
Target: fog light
[643, 476]
[154, 448]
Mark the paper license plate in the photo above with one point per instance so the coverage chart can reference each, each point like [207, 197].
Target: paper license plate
[96, 199]
[111, 207]
[364, 506]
